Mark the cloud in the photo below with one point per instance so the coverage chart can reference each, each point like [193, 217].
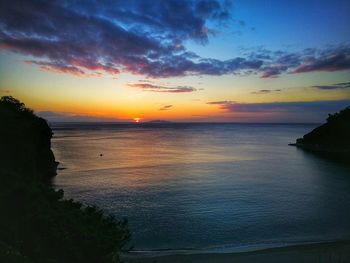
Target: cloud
[332, 58]
[345, 85]
[327, 106]
[156, 88]
[265, 91]
[166, 107]
[108, 37]
[92, 38]
[221, 102]
[146, 80]
[333, 62]
[273, 71]
[58, 67]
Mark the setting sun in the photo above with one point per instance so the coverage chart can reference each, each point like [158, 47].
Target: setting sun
[137, 120]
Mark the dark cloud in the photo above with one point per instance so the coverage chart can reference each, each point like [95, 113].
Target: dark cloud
[265, 91]
[262, 91]
[272, 71]
[156, 88]
[333, 58]
[327, 106]
[166, 107]
[92, 38]
[58, 67]
[334, 62]
[181, 65]
[345, 85]
[221, 102]
[85, 37]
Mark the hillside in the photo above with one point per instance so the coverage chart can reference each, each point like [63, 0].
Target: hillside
[36, 223]
[333, 137]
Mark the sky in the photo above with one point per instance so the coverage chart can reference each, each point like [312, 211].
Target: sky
[177, 60]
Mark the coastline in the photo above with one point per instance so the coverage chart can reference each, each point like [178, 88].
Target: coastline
[321, 148]
[330, 251]
[334, 153]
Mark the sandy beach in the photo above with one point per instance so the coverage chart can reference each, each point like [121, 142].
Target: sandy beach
[338, 252]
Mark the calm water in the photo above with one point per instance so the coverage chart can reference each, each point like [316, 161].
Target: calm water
[200, 186]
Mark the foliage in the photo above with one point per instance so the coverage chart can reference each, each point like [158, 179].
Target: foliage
[15, 105]
[343, 115]
[334, 133]
[36, 223]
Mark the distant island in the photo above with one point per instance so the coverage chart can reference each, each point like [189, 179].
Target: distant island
[332, 138]
[36, 223]
[158, 121]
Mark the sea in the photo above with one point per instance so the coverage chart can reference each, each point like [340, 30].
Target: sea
[218, 187]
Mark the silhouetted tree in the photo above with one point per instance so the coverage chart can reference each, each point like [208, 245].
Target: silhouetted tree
[12, 104]
[332, 137]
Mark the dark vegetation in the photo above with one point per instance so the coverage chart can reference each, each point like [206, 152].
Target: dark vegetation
[36, 223]
[333, 137]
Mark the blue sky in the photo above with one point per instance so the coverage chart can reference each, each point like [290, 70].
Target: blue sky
[175, 60]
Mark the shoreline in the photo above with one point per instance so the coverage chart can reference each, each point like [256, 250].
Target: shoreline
[322, 149]
[328, 251]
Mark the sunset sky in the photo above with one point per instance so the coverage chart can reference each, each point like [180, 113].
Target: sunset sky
[200, 61]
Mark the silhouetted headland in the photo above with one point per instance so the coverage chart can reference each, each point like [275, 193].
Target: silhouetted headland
[36, 223]
[159, 121]
[331, 138]
[25, 141]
